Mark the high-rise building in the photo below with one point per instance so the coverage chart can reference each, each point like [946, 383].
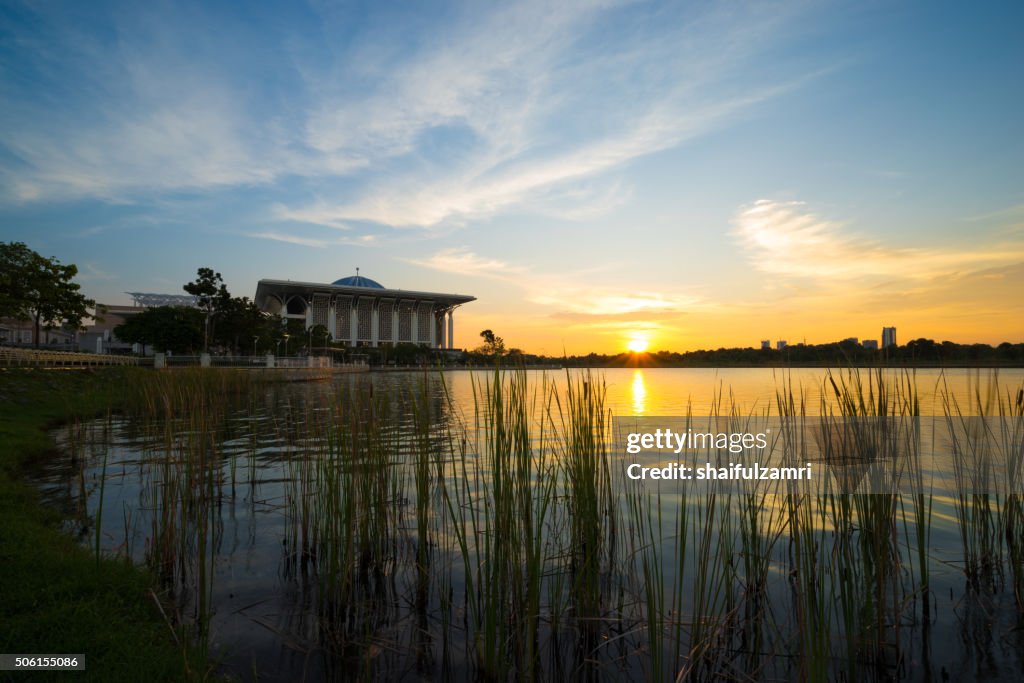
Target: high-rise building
[888, 337]
[781, 344]
[870, 344]
[766, 344]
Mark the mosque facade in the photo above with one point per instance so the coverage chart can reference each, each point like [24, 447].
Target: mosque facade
[358, 311]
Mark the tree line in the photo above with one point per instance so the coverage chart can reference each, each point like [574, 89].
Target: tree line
[40, 290]
[219, 322]
[844, 353]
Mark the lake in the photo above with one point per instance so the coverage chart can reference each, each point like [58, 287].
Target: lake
[414, 525]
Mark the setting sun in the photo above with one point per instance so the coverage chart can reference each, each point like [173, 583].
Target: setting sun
[637, 345]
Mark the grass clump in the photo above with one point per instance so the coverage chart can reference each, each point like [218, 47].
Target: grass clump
[58, 596]
[508, 544]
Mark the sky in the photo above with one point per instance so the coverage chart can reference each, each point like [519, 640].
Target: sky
[688, 174]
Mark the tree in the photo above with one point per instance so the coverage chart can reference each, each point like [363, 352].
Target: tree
[211, 293]
[237, 321]
[319, 336]
[166, 328]
[40, 289]
[296, 331]
[493, 346]
[405, 353]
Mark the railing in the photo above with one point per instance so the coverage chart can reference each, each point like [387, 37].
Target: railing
[12, 357]
[319, 362]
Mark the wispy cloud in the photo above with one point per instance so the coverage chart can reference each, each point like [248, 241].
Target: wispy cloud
[610, 303]
[493, 107]
[562, 294]
[317, 243]
[147, 116]
[289, 239]
[1014, 212]
[523, 111]
[91, 273]
[460, 260]
[787, 238]
[486, 189]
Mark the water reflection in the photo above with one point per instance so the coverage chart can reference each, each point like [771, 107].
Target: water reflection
[639, 390]
[417, 599]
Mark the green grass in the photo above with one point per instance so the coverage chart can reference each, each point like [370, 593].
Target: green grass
[56, 597]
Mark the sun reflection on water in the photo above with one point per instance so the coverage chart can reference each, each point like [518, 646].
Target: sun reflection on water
[639, 391]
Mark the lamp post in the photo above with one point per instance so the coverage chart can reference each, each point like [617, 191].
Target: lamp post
[255, 340]
[286, 335]
[309, 346]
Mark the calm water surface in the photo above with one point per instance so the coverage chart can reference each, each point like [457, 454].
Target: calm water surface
[263, 623]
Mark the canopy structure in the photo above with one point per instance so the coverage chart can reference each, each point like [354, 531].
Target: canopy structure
[361, 312]
[146, 299]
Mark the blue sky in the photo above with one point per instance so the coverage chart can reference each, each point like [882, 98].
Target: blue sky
[696, 174]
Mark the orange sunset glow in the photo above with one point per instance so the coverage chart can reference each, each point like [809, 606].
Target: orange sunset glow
[595, 189]
[637, 345]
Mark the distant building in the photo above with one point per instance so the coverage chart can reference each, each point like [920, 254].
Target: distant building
[766, 344]
[870, 344]
[888, 337]
[852, 340]
[781, 344]
[100, 338]
[358, 311]
[19, 333]
[15, 331]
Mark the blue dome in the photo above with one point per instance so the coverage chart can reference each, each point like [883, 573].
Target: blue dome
[358, 281]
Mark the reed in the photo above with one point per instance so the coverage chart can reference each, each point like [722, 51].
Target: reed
[869, 433]
[975, 461]
[502, 538]
[507, 543]
[589, 503]
[1011, 435]
[99, 509]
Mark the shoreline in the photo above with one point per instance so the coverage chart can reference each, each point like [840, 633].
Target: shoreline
[724, 366]
[58, 596]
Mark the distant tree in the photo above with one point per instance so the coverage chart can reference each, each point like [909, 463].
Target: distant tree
[166, 328]
[405, 353]
[493, 346]
[237, 321]
[39, 289]
[319, 336]
[290, 331]
[271, 330]
[211, 294]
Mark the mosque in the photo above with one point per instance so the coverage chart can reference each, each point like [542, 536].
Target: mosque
[359, 311]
